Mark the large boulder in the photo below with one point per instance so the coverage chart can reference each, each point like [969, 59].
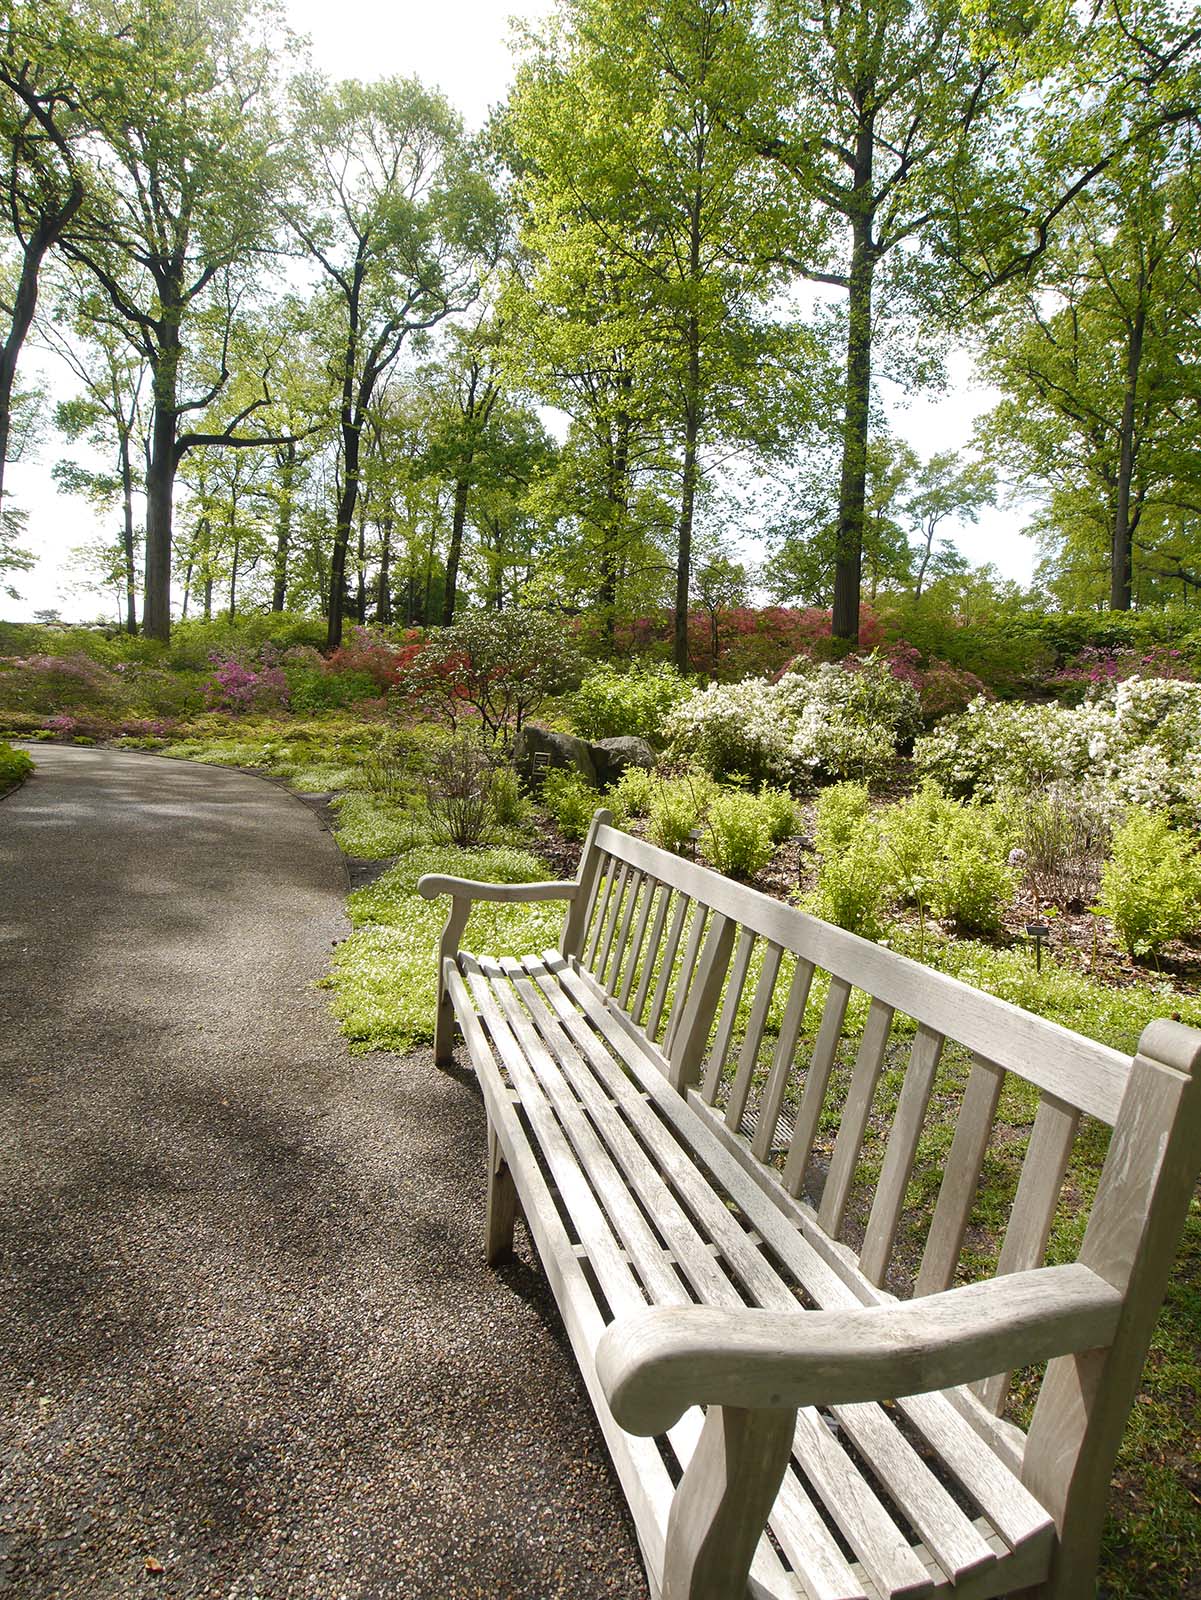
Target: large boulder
[560, 749]
[611, 757]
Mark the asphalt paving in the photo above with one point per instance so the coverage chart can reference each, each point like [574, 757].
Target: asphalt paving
[248, 1344]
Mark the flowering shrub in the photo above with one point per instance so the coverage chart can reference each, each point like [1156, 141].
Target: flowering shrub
[610, 702]
[1093, 668]
[753, 641]
[369, 654]
[1139, 738]
[736, 727]
[240, 688]
[44, 683]
[843, 720]
[850, 718]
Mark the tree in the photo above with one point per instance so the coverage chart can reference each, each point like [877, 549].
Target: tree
[183, 169]
[44, 49]
[885, 127]
[721, 583]
[107, 415]
[1101, 376]
[944, 490]
[620, 124]
[387, 205]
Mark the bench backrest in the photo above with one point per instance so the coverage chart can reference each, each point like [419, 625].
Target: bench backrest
[840, 1068]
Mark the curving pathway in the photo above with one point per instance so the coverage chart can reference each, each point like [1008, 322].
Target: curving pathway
[248, 1348]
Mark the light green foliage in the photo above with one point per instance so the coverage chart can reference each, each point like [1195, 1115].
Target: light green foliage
[950, 857]
[1151, 887]
[510, 807]
[372, 829]
[571, 800]
[384, 976]
[610, 702]
[853, 871]
[738, 839]
[15, 765]
[973, 882]
[677, 808]
[633, 793]
[778, 810]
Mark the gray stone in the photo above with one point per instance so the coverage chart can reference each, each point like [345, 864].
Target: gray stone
[611, 757]
[561, 750]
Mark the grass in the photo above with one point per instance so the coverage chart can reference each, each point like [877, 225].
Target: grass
[15, 766]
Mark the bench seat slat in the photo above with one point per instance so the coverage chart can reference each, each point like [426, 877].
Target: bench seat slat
[1016, 1514]
[816, 1557]
[936, 1516]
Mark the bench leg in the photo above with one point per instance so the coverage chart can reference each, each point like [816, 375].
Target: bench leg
[502, 1205]
[722, 1504]
[444, 1031]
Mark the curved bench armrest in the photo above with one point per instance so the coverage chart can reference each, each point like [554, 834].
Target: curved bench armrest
[657, 1363]
[433, 884]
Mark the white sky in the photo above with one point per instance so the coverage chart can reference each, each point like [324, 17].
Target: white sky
[460, 46]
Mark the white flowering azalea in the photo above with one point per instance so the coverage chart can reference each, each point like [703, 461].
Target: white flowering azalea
[1138, 741]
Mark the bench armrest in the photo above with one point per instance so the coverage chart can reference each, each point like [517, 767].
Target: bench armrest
[433, 884]
[657, 1363]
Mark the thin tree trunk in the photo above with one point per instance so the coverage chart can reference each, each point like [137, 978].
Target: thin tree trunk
[131, 577]
[455, 553]
[283, 530]
[852, 493]
[187, 588]
[383, 593]
[360, 602]
[233, 575]
[1121, 571]
[692, 420]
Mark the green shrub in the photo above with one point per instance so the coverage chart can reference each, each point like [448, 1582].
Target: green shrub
[738, 840]
[15, 765]
[974, 881]
[510, 807]
[571, 801]
[677, 808]
[633, 793]
[314, 689]
[610, 702]
[1151, 886]
[778, 810]
[852, 872]
[950, 857]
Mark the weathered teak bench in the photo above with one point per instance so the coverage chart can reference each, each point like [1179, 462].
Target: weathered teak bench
[717, 1238]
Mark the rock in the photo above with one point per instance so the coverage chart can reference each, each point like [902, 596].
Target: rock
[561, 749]
[611, 757]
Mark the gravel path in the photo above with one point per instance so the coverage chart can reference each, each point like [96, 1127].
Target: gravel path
[248, 1347]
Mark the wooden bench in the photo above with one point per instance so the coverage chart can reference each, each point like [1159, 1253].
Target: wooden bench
[720, 1119]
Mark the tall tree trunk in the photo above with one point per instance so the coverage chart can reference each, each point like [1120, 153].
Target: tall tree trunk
[852, 491]
[127, 550]
[283, 528]
[233, 573]
[351, 417]
[160, 481]
[692, 428]
[187, 587]
[618, 489]
[1121, 569]
[383, 592]
[455, 553]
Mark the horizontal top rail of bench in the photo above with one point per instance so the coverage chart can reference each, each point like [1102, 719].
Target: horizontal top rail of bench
[1081, 1072]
